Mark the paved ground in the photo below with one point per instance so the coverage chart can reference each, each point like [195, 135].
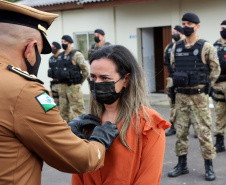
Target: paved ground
[159, 102]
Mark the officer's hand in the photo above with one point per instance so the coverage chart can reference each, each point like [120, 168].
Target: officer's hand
[105, 134]
[85, 120]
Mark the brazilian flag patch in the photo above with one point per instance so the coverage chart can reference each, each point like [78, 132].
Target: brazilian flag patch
[45, 101]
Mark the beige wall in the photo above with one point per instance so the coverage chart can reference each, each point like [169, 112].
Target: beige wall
[119, 23]
[211, 14]
[143, 15]
[78, 21]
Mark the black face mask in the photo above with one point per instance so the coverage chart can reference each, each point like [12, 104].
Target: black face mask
[33, 69]
[54, 51]
[188, 31]
[176, 36]
[96, 39]
[104, 92]
[64, 46]
[223, 33]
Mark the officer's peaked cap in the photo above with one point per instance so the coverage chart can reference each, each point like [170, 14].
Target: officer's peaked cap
[56, 44]
[191, 17]
[179, 28]
[100, 31]
[67, 38]
[26, 16]
[223, 22]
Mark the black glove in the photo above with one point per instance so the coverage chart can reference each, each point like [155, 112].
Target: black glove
[85, 120]
[105, 134]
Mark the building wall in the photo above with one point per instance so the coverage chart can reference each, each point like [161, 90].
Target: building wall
[211, 14]
[121, 24]
[69, 22]
[145, 15]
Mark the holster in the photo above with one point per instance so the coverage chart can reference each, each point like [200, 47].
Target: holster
[172, 94]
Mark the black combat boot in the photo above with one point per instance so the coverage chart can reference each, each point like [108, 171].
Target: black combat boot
[171, 131]
[219, 143]
[180, 168]
[210, 175]
[195, 135]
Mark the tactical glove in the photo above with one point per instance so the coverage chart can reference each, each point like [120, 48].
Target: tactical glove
[85, 120]
[105, 134]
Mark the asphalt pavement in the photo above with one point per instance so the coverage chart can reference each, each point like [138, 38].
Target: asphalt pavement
[196, 176]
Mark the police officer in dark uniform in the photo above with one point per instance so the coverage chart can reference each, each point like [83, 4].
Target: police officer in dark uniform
[52, 71]
[196, 68]
[72, 72]
[219, 91]
[99, 37]
[177, 34]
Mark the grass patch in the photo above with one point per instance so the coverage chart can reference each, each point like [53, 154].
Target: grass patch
[86, 101]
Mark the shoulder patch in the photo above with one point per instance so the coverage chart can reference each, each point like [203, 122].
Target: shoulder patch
[24, 74]
[107, 44]
[45, 101]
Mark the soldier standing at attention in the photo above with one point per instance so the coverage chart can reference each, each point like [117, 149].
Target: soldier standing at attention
[31, 128]
[99, 36]
[219, 91]
[177, 34]
[52, 71]
[72, 73]
[196, 68]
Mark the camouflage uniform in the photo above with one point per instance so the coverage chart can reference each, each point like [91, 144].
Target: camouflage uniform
[194, 109]
[220, 106]
[54, 84]
[94, 48]
[71, 96]
[55, 93]
[169, 83]
[220, 109]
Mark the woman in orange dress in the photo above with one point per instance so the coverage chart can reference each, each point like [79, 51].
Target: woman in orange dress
[118, 95]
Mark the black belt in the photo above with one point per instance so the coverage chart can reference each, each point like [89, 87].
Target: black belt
[69, 83]
[221, 79]
[217, 91]
[218, 99]
[54, 82]
[191, 91]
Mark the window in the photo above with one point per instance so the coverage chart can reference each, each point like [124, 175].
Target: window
[83, 41]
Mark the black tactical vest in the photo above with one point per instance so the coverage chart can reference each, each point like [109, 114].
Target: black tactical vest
[168, 58]
[221, 51]
[95, 48]
[189, 67]
[52, 71]
[68, 73]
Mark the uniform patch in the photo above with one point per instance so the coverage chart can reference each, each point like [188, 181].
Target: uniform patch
[217, 47]
[179, 50]
[24, 74]
[196, 52]
[46, 101]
